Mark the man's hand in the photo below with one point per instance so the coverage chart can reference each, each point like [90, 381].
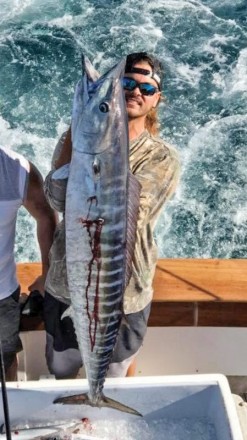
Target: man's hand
[38, 284]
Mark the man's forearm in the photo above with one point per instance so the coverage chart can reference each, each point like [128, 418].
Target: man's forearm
[45, 233]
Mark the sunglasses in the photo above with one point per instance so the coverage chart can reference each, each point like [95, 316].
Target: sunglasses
[146, 89]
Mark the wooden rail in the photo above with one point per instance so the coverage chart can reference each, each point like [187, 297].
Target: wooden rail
[187, 292]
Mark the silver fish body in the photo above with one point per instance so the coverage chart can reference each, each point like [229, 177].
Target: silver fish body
[102, 204]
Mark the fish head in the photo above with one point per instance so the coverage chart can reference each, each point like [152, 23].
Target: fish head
[103, 110]
[89, 76]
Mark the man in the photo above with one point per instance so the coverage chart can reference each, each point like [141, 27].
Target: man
[20, 184]
[156, 166]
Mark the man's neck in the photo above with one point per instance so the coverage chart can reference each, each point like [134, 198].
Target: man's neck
[136, 128]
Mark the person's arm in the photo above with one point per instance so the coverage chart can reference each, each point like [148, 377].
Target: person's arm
[36, 204]
[64, 155]
[56, 180]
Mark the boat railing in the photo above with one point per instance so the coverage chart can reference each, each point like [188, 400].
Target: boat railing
[187, 292]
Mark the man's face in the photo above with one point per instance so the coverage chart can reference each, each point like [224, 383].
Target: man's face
[137, 104]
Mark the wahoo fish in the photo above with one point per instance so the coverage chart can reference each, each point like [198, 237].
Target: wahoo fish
[102, 204]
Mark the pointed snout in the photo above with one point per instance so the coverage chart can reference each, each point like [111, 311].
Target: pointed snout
[119, 69]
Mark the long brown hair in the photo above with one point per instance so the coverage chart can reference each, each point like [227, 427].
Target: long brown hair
[152, 123]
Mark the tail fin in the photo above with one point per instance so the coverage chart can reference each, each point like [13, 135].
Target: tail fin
[83, 399]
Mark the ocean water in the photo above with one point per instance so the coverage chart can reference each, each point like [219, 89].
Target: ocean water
[203, 46]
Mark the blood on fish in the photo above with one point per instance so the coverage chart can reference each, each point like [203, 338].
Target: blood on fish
[87, 424]
[94, 229]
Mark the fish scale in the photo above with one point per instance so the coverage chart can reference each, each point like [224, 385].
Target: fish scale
[102, 196]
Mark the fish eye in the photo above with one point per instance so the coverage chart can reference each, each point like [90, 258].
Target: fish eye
[104, 107]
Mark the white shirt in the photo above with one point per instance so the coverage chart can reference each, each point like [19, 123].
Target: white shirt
[14, 171]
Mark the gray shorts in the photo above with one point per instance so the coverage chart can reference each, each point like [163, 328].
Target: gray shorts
[62, 353]
[9, 327]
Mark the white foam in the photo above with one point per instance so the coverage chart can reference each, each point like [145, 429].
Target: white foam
[189, 74]
[12, 8]
[237, 81]
[16, 138]
[177, 5]
[214, 47]
[215, 129]
[226, 3]
[240, 216]
[69, 21]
